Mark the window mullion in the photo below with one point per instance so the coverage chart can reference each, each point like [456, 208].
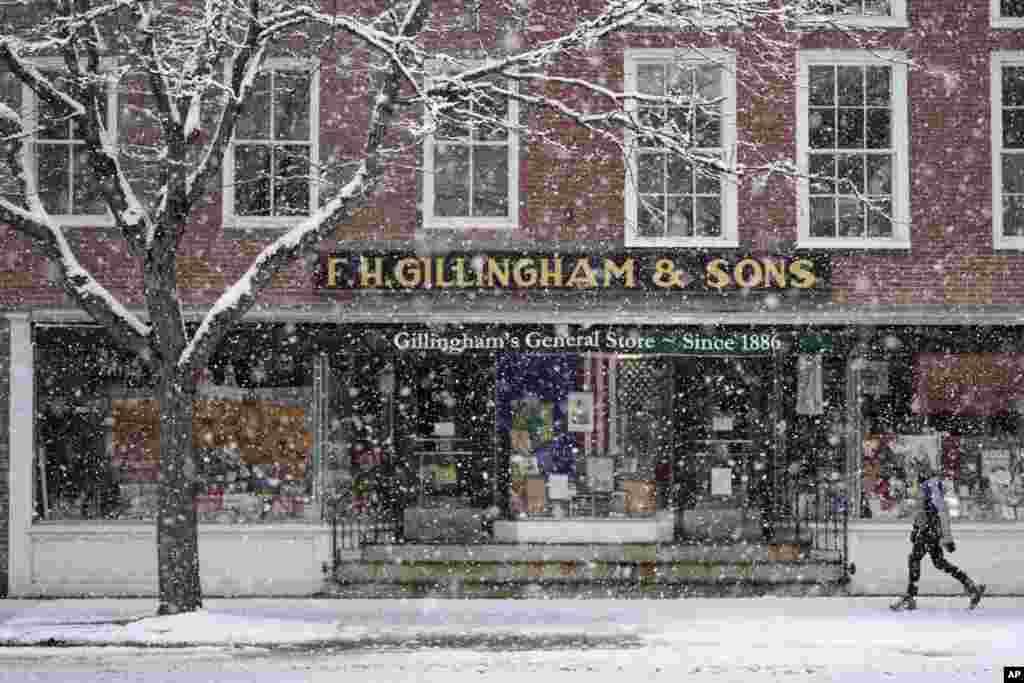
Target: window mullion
[271, 186]
[471, 157]
[70, 151]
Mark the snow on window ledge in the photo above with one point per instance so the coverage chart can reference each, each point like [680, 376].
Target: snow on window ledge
[856, 21]
[853, 244]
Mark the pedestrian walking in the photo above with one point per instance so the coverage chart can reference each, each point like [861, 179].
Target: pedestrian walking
[931, 534]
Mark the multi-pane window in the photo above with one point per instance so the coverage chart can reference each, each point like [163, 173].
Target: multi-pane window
[853, 123]
[471, 163]
[1008, 9]
[1008, 155]
[876, 8]
[274, 149]
[64, 179]
[675, 198]
[860, 12]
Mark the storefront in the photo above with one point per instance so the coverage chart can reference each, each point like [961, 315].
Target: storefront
[508, 416]
[948, 395]
[466, 433]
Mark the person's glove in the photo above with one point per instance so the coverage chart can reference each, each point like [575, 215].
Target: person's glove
[950, 546]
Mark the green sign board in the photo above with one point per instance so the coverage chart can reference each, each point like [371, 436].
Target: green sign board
[753, 343]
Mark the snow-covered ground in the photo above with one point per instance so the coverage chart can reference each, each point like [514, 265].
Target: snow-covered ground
[819, 639]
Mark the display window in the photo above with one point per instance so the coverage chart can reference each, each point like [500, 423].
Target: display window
[950, 399]
[97, 432]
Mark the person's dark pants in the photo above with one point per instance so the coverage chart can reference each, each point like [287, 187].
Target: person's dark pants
[931, 546]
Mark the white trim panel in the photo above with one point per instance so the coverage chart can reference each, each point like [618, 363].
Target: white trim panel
[22, 426]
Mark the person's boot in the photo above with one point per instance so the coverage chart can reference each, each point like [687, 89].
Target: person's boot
[975, 590]
[907, 602]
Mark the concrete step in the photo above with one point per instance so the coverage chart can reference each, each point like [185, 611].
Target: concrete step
[591, 590]
[582, 552]
[598, 576]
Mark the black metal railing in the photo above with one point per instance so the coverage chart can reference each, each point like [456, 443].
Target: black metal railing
[820, 518]
[350, 532]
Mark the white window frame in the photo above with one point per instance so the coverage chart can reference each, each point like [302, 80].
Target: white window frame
[999, 21]
[699, 20]
[1000, 59]
[30, 158]
[509, 222]
[898, 18]
[900, 147]
[729, 237]
[229, 217]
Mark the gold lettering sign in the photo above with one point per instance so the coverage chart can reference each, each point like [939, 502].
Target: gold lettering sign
[667, 272]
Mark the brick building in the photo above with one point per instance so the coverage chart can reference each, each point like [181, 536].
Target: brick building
[541, 343]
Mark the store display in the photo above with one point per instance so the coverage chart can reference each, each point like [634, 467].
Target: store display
[991, 482]
[640, 497]
[536, 495]
[888, 473]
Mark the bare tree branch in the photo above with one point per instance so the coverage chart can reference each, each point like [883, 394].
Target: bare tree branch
[304, 238]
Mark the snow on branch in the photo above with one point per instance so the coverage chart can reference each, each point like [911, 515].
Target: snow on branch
[42, 86]
[239, 298]
[304, 237]
[99, 302]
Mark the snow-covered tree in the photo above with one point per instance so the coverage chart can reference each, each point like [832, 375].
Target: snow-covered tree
[182, 76]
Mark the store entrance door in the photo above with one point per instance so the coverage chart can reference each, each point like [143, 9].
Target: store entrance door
[723, 416]
[447, 424]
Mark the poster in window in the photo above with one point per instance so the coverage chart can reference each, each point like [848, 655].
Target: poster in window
[809, 384]
[601, 474]
[581, 411]
[874, 377]
[558, 487]
[721, 481]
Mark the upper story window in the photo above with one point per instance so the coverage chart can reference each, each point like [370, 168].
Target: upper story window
[689, 15]
[63, 177]
[670, 200]
[471, 165]
[1007, 13]
[271, 164]
[1008, 149]
[853, 152]
[862, 12]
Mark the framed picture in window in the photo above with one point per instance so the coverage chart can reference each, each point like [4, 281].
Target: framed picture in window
[580, 411]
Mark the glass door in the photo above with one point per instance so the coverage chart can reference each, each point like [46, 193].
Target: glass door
[723, 417]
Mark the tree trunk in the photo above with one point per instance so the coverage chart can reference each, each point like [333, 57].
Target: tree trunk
[176, 525]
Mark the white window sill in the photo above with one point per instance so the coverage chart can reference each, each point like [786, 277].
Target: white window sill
[856, 244]
[677, 243]
[106, 221]
[1009, 243]
[695, 24]
[1008, 22]
[262, 222]
[470, 224]
[856, 21]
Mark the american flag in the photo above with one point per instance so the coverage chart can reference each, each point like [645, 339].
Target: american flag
[598, 375]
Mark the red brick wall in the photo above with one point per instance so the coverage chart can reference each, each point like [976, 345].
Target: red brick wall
[579, 196]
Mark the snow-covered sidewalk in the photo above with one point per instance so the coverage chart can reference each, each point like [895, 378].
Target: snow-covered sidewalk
[813, 638]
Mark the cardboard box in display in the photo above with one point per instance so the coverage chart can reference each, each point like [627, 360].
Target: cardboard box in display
[639, 496]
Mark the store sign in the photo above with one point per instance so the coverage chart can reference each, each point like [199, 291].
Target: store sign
[690, 271]
[596, 340]
[967, 383]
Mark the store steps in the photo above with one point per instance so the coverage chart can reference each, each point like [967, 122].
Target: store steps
[583, 571]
